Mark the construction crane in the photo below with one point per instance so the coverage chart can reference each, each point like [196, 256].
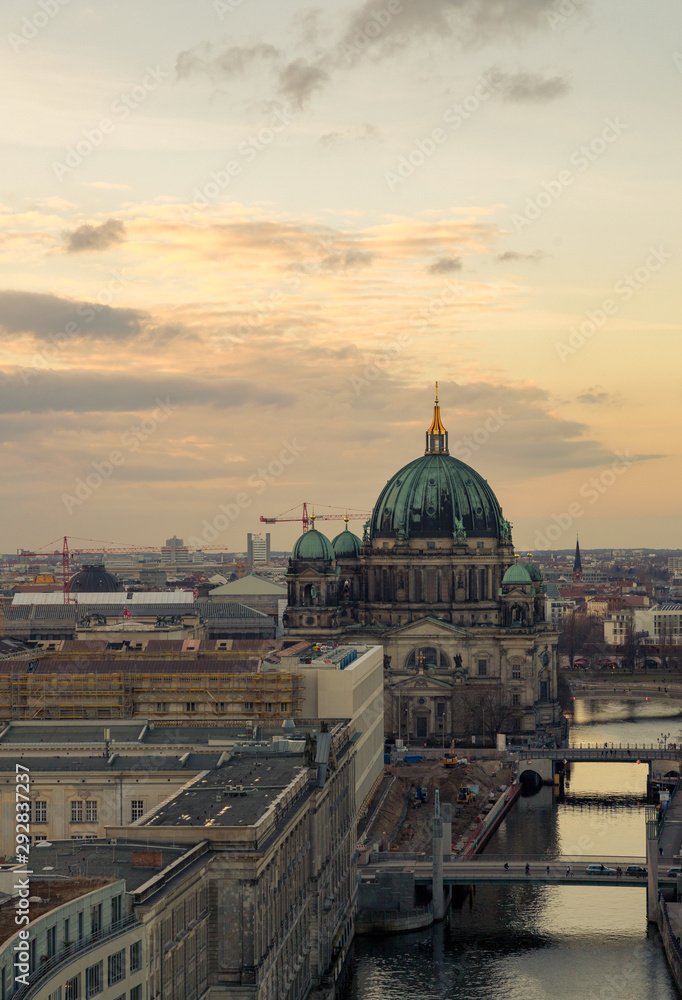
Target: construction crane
[65, 562]
[305, 518]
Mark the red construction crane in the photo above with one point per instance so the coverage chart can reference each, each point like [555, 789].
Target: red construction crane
[304, 517]
[65, 563]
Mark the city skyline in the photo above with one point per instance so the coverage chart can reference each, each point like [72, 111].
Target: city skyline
[241, 241]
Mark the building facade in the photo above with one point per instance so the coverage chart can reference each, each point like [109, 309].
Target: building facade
[467, 646]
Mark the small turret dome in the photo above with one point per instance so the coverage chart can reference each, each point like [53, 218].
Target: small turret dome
[534, 571]
[346, 544]
[517, 574]
[313, 545]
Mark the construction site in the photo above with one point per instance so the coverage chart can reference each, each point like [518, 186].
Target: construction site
[404, 820]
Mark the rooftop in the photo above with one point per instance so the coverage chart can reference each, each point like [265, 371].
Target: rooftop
[119, 763]
[52, 894]
[234, 796]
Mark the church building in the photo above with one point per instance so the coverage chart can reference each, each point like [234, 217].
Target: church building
[435, 581]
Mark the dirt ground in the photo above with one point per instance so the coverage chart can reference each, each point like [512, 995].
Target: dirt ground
[416, 832]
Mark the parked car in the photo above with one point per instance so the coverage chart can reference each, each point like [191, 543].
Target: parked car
[674, 872]
[636, 870]
[600, 870]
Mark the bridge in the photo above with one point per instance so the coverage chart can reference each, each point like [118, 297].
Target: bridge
[544, 760]
[479, 872]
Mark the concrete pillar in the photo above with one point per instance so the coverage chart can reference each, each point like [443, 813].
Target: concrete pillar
[446, 817]
[438, 897]
[651, 863]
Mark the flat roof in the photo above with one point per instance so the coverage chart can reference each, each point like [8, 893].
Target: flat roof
[213, 802]
[120, 763]
[103, 859]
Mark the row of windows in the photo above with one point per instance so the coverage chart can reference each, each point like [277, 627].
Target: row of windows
[94, 981]
[224, 706]
[81, 812]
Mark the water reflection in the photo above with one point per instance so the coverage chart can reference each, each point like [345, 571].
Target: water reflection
[530, 942]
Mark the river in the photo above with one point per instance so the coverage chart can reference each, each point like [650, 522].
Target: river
[530, 942]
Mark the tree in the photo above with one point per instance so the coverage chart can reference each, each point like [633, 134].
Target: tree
[581, 635]
[488, 712]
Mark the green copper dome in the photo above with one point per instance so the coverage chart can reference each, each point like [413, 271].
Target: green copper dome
[313, 545]
[437, 496]
[534, 572]
[346, 545]
[516, 574]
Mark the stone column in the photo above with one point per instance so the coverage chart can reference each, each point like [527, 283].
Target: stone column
[437, 895]
[446, 816]
[651, 863]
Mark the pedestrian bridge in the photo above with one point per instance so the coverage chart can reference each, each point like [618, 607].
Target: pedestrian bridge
[479, 872]
[545, 762]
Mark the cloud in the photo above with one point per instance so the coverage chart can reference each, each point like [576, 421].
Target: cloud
[233, 61]
[509, 255]
[594, 396]
[95, 392]
[300, 79]
[346, 261]
[359, 134]
[43, 315]
[88, 237]
[445, 265]
[523, 86]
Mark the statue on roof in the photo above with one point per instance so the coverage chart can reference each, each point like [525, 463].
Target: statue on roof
[459, 533]
[506, 531]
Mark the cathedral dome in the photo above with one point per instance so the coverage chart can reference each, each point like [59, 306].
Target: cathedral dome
[313, 545]
[94, 580]
[516, 574]
[346, 544]
[438, 496]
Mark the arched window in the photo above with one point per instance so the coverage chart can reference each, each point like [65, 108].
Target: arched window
[429, 657]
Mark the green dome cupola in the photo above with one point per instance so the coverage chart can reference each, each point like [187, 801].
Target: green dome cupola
[313, 545]
[516, 574]
[346, 545]
[438, 496]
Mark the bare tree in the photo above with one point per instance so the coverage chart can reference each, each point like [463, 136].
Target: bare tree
[488, 712]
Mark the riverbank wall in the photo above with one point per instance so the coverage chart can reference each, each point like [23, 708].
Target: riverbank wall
[669, 920]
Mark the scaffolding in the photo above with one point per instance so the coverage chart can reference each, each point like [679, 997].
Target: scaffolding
[257, 695]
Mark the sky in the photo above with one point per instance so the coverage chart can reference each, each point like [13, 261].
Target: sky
[240, 241]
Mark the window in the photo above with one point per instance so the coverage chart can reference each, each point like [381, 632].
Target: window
[67, 926]
[516, 671]
[57, 995]
[161, 706]
[93, 980]
[72, 989]
[115, 909]
[136, 956]
[116, 967]
[480, 545]
[40, 811]
[77, 811]
[136, 993]
[191, 706]
[248, 705]
[91, 811]
[284, 706]
[39, 836]
[516, 699]
[52, 941]
[440, 710]
[136, 809]
[80, 926]
[482, 668]
[96, 920]
[268, 706]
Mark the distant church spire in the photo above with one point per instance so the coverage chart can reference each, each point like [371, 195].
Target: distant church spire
[436, 436]
[577, 565]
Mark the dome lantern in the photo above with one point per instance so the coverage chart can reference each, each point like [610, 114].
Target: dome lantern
[436, 435]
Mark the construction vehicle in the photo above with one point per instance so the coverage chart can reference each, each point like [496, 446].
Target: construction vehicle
[449, 760]
[466, 795]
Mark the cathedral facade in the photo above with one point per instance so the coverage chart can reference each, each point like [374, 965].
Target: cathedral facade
[435, 581]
